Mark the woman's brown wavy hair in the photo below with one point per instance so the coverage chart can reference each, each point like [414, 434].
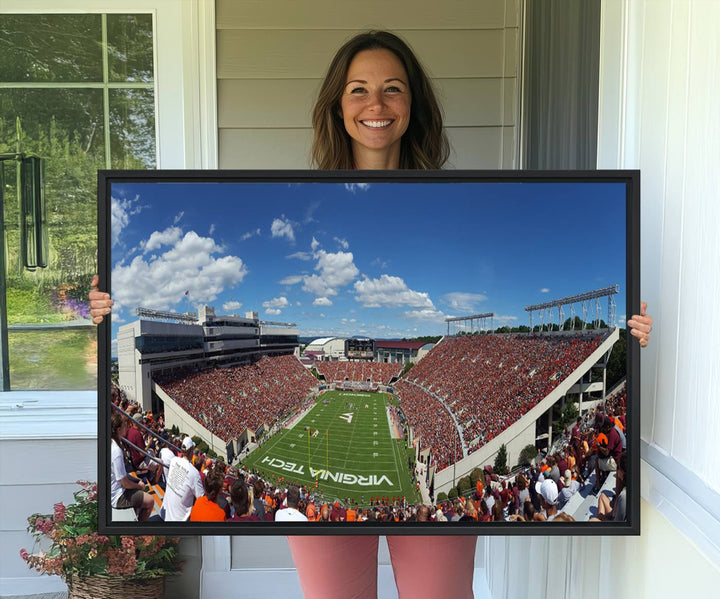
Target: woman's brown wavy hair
[424, 144]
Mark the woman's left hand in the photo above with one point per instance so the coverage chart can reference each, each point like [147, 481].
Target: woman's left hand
[641, 325]
[100, 302]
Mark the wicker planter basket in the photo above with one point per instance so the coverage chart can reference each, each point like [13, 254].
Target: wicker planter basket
[116, 587]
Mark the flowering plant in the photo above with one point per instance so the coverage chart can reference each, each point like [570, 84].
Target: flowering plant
[76, 548]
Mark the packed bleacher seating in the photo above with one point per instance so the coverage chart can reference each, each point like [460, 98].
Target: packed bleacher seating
[431, 422]
[491, 381]
[571, 465]
[226, 401]
[487, 381]
[359, 371]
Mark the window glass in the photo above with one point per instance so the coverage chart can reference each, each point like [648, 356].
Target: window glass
[132, 128]
[38, 48]
[62, 116]
[130, 47]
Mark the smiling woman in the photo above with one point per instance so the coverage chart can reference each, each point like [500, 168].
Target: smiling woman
[375, 108]
[364, 105]
[396, 123]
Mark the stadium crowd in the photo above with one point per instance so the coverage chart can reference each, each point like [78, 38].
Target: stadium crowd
[226, 401]
[582, 458]
[517, 372]
[431, 423]
[491, 381]
[359, 371]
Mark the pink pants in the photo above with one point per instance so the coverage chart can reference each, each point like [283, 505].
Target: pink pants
[346, 567]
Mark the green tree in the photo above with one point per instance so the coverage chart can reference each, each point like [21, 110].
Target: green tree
[200, 444]
[464, 485]
[500, 466]
[408, 366]
[527, 455]
[442, 497]
[452, 493]
[617, 364]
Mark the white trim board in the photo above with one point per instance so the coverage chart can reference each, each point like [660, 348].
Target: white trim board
[27, 415]
[683, 498]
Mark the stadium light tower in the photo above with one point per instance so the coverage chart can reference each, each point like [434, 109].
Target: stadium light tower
[588, 306]
[481, 317]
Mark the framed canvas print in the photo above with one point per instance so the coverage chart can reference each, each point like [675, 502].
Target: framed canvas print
[367, 352]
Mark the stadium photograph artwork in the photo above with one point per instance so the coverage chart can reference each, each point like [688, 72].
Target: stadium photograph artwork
[369, 352]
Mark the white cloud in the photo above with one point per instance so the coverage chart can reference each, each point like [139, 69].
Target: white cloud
[463, 302]
[301, 255]
[502, 320]
[282, 227]
[189, 265]
[322, 301]
[390, 291]
[275, 305]
[291, 280]
[310, 211]
[249, 234]
[178, 217]
[120, 213]
[336, 270]
[119, 219]
[315, 285]
[158, 239]
[426, 315]
[212, 229]
[544, 290]
[343, 243]
[232, 305]
[333, 271]
[355, 187]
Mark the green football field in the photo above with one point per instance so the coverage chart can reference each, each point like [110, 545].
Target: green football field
[353, 454]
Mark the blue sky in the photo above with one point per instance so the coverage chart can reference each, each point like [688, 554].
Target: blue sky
[384, 260]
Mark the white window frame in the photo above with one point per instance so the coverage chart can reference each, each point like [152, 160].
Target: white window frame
[186, 138]
[672, 488]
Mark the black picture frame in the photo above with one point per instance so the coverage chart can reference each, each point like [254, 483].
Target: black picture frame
[600, 217]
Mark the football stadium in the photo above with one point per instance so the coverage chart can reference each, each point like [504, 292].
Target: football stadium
[378, 430]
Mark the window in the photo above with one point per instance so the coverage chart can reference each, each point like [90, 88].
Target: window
[78, 91]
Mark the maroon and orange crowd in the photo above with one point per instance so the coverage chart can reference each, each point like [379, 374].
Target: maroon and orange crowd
[540, 493]
[489, 382]
[506, 375]
[377, 372]
[227, 401]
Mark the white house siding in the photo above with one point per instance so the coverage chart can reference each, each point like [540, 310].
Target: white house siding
[271, 58]
[660, 80]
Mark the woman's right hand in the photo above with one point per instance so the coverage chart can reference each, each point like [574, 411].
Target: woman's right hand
[100, 302]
